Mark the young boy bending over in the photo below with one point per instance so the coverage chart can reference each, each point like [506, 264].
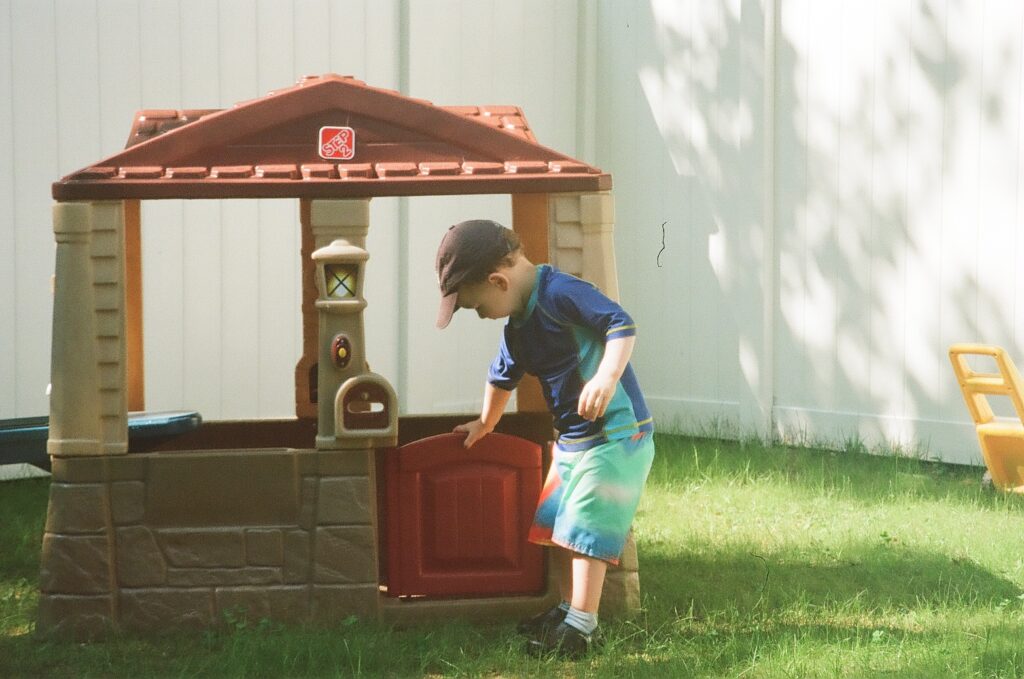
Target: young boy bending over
[578, 343]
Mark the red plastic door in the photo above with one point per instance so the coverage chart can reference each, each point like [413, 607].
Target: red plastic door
[457, 519]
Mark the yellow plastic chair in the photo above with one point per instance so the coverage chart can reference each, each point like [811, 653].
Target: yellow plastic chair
[1001, 439]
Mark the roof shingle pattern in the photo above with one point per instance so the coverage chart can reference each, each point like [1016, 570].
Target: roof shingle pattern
[268, 147]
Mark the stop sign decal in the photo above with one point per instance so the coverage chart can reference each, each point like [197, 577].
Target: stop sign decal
[337, 143]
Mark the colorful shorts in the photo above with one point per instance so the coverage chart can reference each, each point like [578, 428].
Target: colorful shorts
[590, 497]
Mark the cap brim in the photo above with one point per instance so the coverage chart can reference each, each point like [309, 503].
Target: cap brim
[447, 309]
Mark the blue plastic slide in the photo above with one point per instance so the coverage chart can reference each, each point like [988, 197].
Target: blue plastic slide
[24, 439]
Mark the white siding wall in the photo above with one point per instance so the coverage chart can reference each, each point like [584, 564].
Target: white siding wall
[899, 231]
[841, 194]
[221, 278]
[684, 139]
[893, 229]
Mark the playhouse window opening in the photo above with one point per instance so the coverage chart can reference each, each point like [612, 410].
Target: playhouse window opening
[221, 322]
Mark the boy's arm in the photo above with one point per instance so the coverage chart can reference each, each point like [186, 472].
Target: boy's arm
[495, 400]
[598, 392]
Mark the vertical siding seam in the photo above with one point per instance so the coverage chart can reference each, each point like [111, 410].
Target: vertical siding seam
[295, 74]
[802, 340]
[1016, 197]
[586, 70]
[906, 227]
[220, 226]
[690, 202]
[13, 211]
[404, 77]
[863, 402]
[123, 256]
[183, 222]
[696, 197]
[977, 172]
[99, 80]
[769, 251]
[141, 61]
[839, 205]
[942, 182]
[56, 87]
[331, 63]
[260, 302]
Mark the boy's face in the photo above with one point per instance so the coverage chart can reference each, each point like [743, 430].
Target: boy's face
[489, 298]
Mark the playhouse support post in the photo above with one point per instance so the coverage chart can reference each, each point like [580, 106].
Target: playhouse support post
[597, 222]
[334, 219]
[566, 233]
[88, 414]
[323, 221]
[134, 352]
[345, 571]
[330, 220]
[109, 283]
[583, 244]
[305, 397]
[582, 238]
[88, 419]
[530, 222]
[74, 373]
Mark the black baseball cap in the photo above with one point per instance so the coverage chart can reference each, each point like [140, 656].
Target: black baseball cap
[468, 252]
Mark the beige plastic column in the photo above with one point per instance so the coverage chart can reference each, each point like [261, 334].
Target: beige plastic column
[331, 220]
[323, 221]
[74, 375]
[566, 233]
[583, 242]
[597, 219]
[108, 269]
[530, 220]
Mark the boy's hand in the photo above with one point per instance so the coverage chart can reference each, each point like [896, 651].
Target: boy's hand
[474, 430]
[595, 396]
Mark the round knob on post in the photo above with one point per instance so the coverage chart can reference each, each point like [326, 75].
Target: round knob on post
[341, 351]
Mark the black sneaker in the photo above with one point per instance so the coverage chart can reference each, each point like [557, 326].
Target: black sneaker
[538, 625]
[565, 641]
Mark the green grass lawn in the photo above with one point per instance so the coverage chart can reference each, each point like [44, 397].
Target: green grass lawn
[754, 562]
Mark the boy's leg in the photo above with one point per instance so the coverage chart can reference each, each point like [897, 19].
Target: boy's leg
[574, 636]
[614, 473]
[587, 582]
[562, 561]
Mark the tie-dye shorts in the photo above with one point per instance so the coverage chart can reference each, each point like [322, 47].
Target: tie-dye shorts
[590, 497]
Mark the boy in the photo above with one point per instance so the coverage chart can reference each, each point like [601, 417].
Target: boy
[578, 343]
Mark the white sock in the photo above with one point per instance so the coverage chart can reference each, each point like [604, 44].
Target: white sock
[584, 622]
[564, 606]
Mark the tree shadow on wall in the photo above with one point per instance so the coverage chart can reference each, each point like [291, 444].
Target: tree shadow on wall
[871, 285]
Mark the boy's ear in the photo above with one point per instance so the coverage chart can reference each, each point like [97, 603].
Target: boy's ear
[500, 280]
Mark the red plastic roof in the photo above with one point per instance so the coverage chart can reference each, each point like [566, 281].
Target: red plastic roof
[272, 147]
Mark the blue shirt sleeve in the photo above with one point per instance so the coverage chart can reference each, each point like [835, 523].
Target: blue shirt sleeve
[505, 373]
[581, 303]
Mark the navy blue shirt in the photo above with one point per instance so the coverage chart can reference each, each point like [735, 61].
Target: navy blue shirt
[560, 338]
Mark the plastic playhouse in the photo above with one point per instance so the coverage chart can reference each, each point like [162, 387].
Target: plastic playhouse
[346, 509]
[1001, 439]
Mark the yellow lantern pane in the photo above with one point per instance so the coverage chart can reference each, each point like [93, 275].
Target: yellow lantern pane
[341, 281]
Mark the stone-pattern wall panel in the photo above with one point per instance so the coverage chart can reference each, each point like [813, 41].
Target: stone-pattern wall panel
[112, 561]
[75, 564]
[107, 565]
[140, 563]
